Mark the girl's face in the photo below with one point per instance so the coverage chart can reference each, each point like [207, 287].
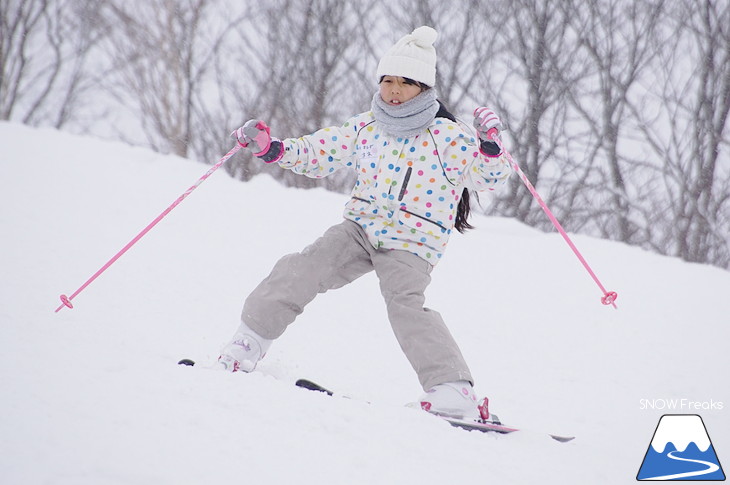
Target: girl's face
[395, 90]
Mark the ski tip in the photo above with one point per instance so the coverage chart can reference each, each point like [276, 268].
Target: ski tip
[312, 386]
[189, 362]
[562, 439]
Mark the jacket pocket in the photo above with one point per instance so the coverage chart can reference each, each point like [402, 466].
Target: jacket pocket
[419, 222]
[358, 207]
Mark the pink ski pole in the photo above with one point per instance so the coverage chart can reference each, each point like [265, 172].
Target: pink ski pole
[66, 300]
[609, 297]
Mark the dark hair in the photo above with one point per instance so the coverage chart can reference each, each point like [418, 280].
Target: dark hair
[464, 209]
[407, 80]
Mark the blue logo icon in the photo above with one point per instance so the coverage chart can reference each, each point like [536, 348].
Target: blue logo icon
[681, 450]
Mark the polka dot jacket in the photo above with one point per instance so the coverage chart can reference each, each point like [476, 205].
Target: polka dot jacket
[408, 189]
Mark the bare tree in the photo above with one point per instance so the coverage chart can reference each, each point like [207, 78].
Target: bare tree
[524, 73]
[616, 40]
[616, 109]
[688, 132]
[44, 49]
[161, 52]
[301, 61]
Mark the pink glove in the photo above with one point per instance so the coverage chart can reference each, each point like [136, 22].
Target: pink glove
[255, 135]
[487, 123]
[256, 132]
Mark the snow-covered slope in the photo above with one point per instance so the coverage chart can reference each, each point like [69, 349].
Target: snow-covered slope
[93, 395]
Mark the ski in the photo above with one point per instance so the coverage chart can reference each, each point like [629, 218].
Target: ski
[493, 427]
[484, 426]
[303, 383]
[312, 386]
[469, 425]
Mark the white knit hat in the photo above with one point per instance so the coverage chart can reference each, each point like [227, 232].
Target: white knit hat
[413, 56]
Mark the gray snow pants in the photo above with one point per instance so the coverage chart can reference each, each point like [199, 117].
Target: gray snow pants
[340, 256]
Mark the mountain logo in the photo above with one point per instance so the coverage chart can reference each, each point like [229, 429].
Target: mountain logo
[681, 450]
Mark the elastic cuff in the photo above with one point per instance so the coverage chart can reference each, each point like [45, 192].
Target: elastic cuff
[489, 148]
[274, 153]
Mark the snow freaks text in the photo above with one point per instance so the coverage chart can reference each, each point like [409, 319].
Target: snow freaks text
[680, 404]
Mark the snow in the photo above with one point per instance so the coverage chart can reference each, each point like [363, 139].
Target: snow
[93, 395]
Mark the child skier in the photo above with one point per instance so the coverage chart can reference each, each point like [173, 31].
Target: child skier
[415, 165]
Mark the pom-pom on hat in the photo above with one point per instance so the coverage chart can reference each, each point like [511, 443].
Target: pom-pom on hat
[413, 56]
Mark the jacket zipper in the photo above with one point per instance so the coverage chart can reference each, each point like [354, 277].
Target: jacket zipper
[405, 184]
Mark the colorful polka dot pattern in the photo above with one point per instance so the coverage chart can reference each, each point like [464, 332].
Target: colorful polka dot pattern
[408, 189]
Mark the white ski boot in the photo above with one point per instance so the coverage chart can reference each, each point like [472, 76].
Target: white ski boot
[452, 399]
[244, 350]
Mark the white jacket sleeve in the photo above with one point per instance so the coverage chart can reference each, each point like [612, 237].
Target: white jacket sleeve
[464, 162]
[487, 172]
[324, 151]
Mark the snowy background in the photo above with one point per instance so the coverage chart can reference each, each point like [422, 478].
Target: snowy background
[93, 395]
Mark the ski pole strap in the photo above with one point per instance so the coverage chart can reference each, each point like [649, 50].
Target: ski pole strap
[609, 297]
